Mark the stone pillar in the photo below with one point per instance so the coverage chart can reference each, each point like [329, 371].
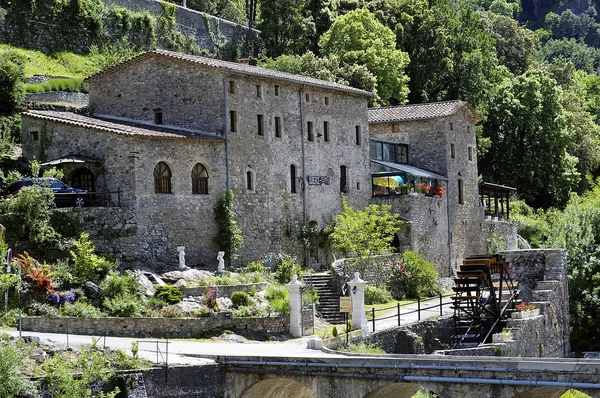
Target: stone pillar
[357, 292]
[295, 306]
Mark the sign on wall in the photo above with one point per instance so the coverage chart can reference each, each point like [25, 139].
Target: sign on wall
[318, 180]
[345, 304]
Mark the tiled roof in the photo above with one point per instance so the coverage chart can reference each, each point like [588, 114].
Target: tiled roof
[405, 113]
[234, 67]
[118, 126]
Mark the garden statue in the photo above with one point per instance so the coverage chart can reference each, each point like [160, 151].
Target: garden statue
[181, 250]
[221, 266]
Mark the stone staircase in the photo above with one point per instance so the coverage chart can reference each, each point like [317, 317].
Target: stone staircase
[329, 298]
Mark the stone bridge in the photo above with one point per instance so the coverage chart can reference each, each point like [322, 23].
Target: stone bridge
[403, 375]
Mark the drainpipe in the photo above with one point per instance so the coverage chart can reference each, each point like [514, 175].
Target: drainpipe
[302, 131]
[449, 229]
[226, 110]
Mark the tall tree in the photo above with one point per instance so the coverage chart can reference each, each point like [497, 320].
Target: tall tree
[12, 88]
[283, 28]
[358, 38]
[529, 139]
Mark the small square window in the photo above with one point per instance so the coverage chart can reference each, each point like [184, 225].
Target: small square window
[233, 121]
[470, 149]
[452, 153]
[357, 138]
[276, 90]
[326, 131]
[258, 91]
[260, 124]
[277, 127]
[309, 131]
[395, 128]
[158, 116]
[307, 97]
[35, 136]
[232, 86]
[326, 100]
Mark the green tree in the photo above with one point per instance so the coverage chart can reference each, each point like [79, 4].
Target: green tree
[584, 57]
[12, 87]
[229, 235]
[358, 38]
[365, 232]
[283, 28]
[577, 229]
[326, 68]
[529, 139]
[87, 265]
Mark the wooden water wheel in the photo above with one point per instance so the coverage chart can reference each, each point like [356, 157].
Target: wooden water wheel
[485, 297]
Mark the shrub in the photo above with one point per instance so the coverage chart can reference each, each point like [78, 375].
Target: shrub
[171, 311]
[286, 269]
[256, 266]
[411, 276]
[377, 295]
[114, 285]
[240, 299]
[81, 309]
[210, 297]
[123, 306]
[42, 309]
[87, 266]
[334, 332]
[169, 293]
[12, 356]
[247, 312]
[155, 303]
[9, 319]
[278, 298]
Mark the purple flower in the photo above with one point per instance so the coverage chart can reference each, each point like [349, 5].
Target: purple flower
[68, 297]
[55, 298]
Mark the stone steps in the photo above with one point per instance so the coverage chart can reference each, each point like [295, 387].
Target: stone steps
[329, 299]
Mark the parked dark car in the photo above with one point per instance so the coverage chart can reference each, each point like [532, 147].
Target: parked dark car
[64, 195]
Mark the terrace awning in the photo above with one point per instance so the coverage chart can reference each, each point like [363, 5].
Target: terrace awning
[415, 171]
[70, 159]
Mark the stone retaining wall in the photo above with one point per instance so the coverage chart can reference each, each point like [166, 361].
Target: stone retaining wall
[159, 327]
[58, 96]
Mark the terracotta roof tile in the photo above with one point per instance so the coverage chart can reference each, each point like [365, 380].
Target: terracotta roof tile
[404, 113]
[119, 126]
[234, 67]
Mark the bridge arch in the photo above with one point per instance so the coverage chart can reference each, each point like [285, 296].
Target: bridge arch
[396, 390]
[277, 387]
[548, 392]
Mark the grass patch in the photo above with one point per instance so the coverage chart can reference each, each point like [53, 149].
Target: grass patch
[363, 347]
[60, 84]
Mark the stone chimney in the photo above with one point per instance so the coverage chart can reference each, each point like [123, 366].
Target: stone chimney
[244, 61]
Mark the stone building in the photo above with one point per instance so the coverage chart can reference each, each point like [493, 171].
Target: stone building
[172, 132]
[430, 149]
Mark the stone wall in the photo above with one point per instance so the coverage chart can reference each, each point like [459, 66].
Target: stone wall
[58, 96]
[207, 30]
[423, 337]
[160, 327]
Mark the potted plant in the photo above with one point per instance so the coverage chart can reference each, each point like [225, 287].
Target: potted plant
[505, 335]
[424, 188]
[524, 310]
[438, 191]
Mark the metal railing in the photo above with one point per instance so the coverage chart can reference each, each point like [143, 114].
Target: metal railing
[98, 199]
[419, 310]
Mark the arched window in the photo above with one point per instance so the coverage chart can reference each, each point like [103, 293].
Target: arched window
[250, 180]
[199, 180]
[84, 179]
[293, 178]
[162, 178]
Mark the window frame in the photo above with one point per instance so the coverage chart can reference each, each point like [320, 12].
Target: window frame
[158, 117]
[260, 124]
[293, 185]
[357, 135]
[326, 131]
[162, 180]
[393, 149]
[232, 121]
[278, 128]
[310, 133]
[199, 182]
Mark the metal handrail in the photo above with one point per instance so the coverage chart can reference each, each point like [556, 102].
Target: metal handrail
[419, 309]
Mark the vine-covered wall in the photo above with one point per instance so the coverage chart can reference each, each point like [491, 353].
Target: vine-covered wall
[78, 25]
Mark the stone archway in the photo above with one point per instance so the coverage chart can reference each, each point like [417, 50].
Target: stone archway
[277, 387]
[396, 390]
[542, 392]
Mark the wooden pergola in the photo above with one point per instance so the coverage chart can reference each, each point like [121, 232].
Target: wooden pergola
[496, 199]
